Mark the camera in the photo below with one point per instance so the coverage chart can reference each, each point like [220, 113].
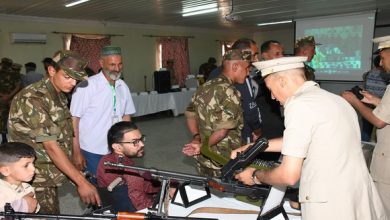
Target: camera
[356, 91]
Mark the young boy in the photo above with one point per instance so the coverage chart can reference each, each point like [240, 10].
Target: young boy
[16, 169]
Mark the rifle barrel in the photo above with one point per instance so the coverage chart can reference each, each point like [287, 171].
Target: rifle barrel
[18, 215]
[119, 216]
[161, 173]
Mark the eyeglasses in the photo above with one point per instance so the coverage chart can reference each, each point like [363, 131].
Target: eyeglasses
[134, 141]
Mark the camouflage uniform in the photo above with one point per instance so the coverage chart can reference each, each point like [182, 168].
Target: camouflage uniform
[38, 114]
[309, 73]
[216, 105]
[301, 43]
[9, 80]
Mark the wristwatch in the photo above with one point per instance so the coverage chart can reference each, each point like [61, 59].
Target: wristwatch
[254, 178]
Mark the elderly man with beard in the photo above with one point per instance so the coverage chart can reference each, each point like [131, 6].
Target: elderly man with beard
[103, 100]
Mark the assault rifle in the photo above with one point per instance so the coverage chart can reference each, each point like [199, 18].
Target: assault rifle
[242, 160]
[10, 214]
[226, 183]
[184, 178]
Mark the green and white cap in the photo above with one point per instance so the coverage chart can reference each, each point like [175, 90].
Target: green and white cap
[111, 50]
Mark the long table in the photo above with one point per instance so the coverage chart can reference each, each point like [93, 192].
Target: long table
[227, 202]
[148, 103]
[215, 201]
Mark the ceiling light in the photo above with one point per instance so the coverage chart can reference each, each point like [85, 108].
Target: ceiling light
[276, 22]
[199, 8]
[75, 3]
[190, 8]
[200, 12]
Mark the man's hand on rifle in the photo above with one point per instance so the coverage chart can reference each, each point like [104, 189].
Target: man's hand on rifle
[234, 153]
[246, 176]
[89, 194]
[256, 134]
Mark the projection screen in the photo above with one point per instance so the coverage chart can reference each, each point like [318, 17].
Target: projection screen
[346, 50]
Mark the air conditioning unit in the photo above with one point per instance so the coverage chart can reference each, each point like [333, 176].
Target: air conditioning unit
[30, 38]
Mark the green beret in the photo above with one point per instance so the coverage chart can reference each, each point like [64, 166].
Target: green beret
[6, 62]
[111, 50]
[72, 64]
[307, 40]
[238, 54]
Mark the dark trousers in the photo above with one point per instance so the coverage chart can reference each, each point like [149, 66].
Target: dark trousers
[366, 130]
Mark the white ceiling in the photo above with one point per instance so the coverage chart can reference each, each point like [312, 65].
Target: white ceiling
[168, 12]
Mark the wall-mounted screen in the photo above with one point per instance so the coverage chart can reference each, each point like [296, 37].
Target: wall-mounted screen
[346, 50]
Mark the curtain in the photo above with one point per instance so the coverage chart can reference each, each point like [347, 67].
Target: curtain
[89, 47]
[176, 49]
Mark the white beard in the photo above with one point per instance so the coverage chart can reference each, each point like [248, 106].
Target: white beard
[114, 76]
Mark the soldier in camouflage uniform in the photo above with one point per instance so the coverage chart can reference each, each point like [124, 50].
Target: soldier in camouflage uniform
[10, 84]
[39, 117]
[306, 46]
[215, 112]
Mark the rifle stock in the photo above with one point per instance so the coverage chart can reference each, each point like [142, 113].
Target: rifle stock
[102, 216]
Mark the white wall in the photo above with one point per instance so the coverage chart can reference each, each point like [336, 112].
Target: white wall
[284, 36]
[138, 51]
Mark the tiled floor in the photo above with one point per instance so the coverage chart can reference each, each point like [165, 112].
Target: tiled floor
[165, 137]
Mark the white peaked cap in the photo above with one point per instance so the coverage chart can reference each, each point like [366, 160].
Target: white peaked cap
[279, 64]
[384, 42]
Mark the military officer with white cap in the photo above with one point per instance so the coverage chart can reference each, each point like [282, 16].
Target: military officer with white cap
[320, 147]
[380, 118]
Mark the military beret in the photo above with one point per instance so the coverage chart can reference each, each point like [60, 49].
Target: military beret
[238, 54]
[72, 64]
[383, 43]
[280, 64]
[111, 50]
[6, 61]
[307, 40]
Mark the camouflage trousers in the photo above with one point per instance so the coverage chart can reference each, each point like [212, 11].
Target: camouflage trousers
[48, 200]
[46, 181]
[206, 167]
[4, 111]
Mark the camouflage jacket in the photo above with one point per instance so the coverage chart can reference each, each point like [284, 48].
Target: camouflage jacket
[8, 82]
[309, 73]
[217, 105]
[39, 113]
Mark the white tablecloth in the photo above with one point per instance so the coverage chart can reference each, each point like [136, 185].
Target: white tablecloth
[214, 201]
[152, 103]
[225, 202]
